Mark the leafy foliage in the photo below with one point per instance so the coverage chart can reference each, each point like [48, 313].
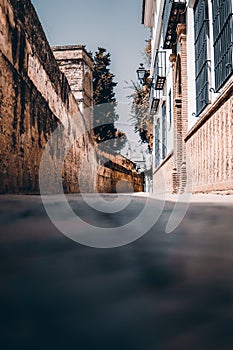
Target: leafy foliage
[142, 119]
[146, 54]
[106, 134]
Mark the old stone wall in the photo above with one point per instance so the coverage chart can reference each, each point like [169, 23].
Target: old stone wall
[36, 98]
[118, 174]
[77, 65]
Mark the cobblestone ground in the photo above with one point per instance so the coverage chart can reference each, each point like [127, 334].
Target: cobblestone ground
[161, 292]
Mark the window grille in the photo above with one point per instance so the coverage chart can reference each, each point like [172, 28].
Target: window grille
[202, 65]
[155, 100]
[223, 41]
[160, 70]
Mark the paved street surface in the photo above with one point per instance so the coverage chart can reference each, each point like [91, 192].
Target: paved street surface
[164, 291]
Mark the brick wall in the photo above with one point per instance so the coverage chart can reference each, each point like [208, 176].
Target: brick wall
[210, 147]
[180, 107]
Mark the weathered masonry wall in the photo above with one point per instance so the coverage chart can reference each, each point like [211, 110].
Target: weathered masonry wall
[77, 64]
[163, 178]
[210, 147]
[118, 174]
[35, 98]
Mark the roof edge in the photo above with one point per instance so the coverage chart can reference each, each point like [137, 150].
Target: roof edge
[143, 11]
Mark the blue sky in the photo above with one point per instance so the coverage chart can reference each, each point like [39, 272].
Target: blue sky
[115, 25]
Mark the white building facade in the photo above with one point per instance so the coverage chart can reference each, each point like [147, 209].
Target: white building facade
[191, 94]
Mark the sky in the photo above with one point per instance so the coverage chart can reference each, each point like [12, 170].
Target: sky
[114, 25]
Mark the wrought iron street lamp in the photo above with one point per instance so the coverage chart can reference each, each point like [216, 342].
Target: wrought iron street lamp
[141, 72]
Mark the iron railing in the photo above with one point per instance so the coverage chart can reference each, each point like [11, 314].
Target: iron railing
[172, 15]
[202, 63]
[223, 40]
[155, 100]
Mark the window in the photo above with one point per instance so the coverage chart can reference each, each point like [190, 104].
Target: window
[170, 108]
[178, 75]
[164, 131]
[223, 40]
[202, 65]
[156, 144]
[160, 70]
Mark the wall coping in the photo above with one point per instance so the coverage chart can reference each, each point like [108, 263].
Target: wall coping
[73, 48]
[26, 17]
[117, 159]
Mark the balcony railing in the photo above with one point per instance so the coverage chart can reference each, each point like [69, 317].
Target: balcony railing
[155, 100]
[172, 15]
[160, 70]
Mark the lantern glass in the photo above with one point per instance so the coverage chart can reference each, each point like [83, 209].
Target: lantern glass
[141, 72]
